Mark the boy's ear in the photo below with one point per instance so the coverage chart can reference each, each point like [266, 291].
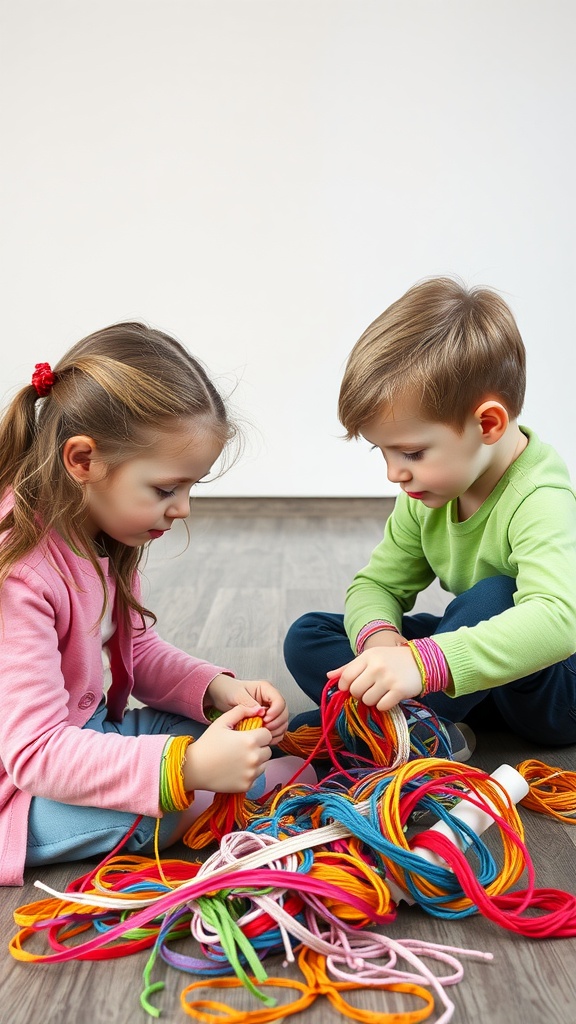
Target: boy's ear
[80, 459]
[493, 419]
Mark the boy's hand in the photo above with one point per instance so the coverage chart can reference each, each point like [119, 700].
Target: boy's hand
[225, 693]
[381, 677]
[224, 760]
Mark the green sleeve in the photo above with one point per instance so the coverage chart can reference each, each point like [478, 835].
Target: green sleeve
[540, 630]
[396, 573]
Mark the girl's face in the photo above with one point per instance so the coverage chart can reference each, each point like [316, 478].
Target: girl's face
[140, 499]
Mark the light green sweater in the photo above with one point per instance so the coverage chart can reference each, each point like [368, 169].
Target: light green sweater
[526, 529]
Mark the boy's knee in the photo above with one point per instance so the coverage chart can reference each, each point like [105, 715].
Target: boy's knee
[488, 597]
[311, 633]
[497, 588]
[299, 636]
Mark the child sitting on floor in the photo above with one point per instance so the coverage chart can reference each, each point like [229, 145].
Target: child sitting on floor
[436, 384]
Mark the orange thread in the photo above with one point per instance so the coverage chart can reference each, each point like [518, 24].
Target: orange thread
[552, 790]
[304, 741]
[249, 723]
[318, 983]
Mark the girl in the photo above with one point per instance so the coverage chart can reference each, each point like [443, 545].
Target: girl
[97, 458]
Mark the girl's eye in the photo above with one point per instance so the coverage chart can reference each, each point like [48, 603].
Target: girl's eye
[164, 494]
[413, 456]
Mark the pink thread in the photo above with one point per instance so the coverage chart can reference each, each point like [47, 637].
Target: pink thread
[376, 626]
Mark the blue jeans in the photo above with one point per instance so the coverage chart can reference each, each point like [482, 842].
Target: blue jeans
[540, 708]
[61, 832]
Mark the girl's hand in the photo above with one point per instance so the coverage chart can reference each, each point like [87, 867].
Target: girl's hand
[381, 677]
[224, 760]
[225, 693]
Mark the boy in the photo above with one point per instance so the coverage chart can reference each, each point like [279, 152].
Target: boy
[436, 383]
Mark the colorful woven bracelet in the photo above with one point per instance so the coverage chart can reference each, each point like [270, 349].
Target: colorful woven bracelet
[431, 663]
[173, 795]
[376, 626]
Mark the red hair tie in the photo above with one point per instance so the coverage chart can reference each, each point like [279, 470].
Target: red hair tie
[43, 378]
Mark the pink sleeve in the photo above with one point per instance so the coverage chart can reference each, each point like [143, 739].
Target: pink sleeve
[44, 750]
[168, 678]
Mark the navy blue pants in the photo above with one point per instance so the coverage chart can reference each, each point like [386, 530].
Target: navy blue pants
[541, 707]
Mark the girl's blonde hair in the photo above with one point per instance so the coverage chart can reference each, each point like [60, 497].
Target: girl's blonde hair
[441, 345]
[119, 386]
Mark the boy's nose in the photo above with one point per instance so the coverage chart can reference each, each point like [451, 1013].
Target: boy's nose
[398, 473]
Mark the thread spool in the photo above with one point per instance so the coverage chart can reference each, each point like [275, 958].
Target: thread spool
[478, 820]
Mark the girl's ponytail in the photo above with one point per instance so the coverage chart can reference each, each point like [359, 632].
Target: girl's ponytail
[119, 386]
[17, 434]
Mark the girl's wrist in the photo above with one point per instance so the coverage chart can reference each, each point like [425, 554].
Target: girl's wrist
[217, 691]
[175, 794]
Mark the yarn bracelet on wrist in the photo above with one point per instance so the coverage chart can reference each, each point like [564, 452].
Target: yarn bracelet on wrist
[431, 663]
[376, 626]
[173, 794]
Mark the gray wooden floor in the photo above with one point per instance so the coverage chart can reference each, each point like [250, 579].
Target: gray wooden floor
[250, 568]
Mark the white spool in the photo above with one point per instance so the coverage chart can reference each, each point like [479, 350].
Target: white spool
[515, 786]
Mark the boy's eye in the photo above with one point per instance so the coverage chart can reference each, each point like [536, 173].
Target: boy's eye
[163, 493]
[413, 456]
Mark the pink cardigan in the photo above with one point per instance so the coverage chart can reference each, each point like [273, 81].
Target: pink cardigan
[51, 682]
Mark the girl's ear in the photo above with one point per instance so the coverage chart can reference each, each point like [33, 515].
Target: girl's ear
[79, 456]
[493, 420]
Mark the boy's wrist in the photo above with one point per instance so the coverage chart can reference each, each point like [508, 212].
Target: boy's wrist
[371, 629]
[432, 665]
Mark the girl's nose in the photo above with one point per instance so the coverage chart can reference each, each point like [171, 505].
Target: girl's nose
[179, 507]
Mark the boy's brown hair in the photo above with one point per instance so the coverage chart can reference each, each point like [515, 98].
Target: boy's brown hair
[443, 345]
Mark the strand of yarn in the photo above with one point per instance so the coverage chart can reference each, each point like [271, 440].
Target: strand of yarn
[379, 825]
[342, 944]
[318, 983]
[552, 790]
[392, 796]
[242, 910]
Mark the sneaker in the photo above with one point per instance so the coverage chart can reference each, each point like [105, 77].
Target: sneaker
[461, 738]
[456, 739]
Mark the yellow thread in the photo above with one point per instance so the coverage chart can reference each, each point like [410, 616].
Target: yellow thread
[249, 723]
[173, 795]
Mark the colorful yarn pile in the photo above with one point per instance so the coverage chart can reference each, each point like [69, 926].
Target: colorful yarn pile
[311, 868]
[351, 733]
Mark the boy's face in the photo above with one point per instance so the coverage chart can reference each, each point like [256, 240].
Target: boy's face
[431, 461]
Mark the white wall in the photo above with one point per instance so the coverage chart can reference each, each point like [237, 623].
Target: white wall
[263, 177]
